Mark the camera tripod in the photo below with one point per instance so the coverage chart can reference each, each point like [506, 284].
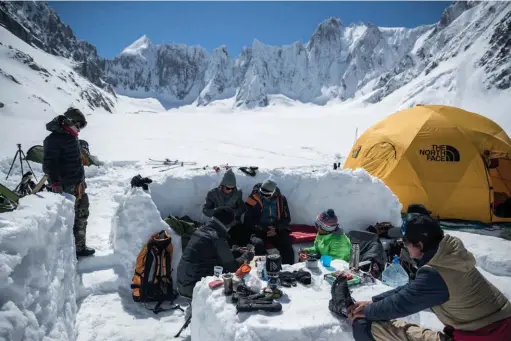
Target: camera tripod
[21, 155]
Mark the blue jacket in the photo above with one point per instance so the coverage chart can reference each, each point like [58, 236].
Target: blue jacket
[427, 290]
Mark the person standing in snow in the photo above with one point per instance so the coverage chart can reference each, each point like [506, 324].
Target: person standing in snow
[64, 166]
[268, 217]
[448, 283]
[330, 240]
[207, 248]
[227, 194]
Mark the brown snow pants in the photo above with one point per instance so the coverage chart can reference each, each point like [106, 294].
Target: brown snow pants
[396, 330]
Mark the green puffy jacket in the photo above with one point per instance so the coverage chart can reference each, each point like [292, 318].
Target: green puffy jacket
[335, 244]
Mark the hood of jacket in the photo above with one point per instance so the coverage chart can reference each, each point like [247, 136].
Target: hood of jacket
[229, 179]
[219, 227]
[55, 125]
[452, 254]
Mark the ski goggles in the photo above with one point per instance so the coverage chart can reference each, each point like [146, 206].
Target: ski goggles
[265, 193]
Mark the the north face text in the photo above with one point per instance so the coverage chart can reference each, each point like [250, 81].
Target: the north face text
[441, 153]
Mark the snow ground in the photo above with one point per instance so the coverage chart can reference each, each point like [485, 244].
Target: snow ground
[122, 218]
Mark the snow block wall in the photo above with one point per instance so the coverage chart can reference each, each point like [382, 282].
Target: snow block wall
[135, 220]
[37, 270]
[358, 198]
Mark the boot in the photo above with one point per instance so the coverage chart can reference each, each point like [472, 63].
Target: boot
[341, 297]
[254, 305]
[85, 252]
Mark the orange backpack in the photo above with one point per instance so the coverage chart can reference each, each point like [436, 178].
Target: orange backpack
[152, 281]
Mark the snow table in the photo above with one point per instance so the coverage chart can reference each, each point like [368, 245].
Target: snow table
[304, 316]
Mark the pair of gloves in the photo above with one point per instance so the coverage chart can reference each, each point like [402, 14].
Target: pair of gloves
[288, 278]
[239, 253]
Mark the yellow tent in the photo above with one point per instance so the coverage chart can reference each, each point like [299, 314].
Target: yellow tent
[457, 163]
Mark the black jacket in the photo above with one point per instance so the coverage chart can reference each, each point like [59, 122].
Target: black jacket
[207, 248]
[62, 156]
[254, 211]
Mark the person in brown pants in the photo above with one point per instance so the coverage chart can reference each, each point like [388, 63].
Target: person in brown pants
[448, 283]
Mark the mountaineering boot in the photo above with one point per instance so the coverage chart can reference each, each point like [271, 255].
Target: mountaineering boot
[341, 297]
[85, 252]
[254, 305]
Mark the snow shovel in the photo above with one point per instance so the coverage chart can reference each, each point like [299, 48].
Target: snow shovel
[40, 184]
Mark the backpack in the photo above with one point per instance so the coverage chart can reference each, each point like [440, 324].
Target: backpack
[152, 281]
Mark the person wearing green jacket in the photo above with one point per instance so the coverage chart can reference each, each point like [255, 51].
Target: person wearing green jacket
[330, 239]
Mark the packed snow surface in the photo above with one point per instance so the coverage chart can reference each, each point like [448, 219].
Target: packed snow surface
[308, 193]
[37, 270]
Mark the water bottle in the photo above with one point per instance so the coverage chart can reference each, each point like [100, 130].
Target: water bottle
[394, 275]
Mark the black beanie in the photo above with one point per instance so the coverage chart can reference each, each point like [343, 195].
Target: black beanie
[224, 214]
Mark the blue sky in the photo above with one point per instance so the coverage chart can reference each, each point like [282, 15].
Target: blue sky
[113, 25]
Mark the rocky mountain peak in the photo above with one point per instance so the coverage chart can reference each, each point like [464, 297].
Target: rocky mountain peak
[327, 32]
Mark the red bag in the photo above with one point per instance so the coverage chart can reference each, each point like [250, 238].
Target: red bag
[498, 331]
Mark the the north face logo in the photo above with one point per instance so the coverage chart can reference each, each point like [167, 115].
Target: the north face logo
[441, 153]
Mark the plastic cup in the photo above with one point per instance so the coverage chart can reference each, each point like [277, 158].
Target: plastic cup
[217, 270]
[326, 260]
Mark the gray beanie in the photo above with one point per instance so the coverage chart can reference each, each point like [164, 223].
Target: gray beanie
[268, 186]
[229, 179]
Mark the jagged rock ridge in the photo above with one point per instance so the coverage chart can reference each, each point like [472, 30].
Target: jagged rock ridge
[338, 62]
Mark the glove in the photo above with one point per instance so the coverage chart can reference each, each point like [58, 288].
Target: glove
[139, 181]
[56, 187]
[287, 279]
[248, 256]
[303, 276]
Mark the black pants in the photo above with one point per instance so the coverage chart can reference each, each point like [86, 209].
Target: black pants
[239, 235]
[362, 330]
[281, 241]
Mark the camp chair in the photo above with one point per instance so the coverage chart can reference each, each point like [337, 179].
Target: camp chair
[8, 199]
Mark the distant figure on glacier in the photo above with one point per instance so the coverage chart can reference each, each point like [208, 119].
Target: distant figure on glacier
[330, 240]
[207, 248]
[64, 166]
[448, 283]
[268, 217]
[227, 194]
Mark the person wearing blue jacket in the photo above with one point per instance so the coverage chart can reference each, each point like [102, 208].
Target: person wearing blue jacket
[448, 283]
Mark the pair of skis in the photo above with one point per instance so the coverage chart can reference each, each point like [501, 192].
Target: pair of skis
[168, 164]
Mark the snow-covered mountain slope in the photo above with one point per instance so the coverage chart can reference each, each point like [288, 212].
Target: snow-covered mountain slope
[359, 61]
[34, 82]
[37, 24]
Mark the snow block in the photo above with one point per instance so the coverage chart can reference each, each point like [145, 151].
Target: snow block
[135, 220]
[37, 270]
[358, 198]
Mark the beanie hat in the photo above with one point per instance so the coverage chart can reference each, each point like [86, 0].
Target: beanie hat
[327, 221]
[229, 179]
[224, 214]
[268, 187]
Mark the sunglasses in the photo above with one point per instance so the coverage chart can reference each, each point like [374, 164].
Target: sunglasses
[228, 188]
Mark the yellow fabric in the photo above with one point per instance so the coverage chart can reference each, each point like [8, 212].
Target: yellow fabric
[433, 155]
